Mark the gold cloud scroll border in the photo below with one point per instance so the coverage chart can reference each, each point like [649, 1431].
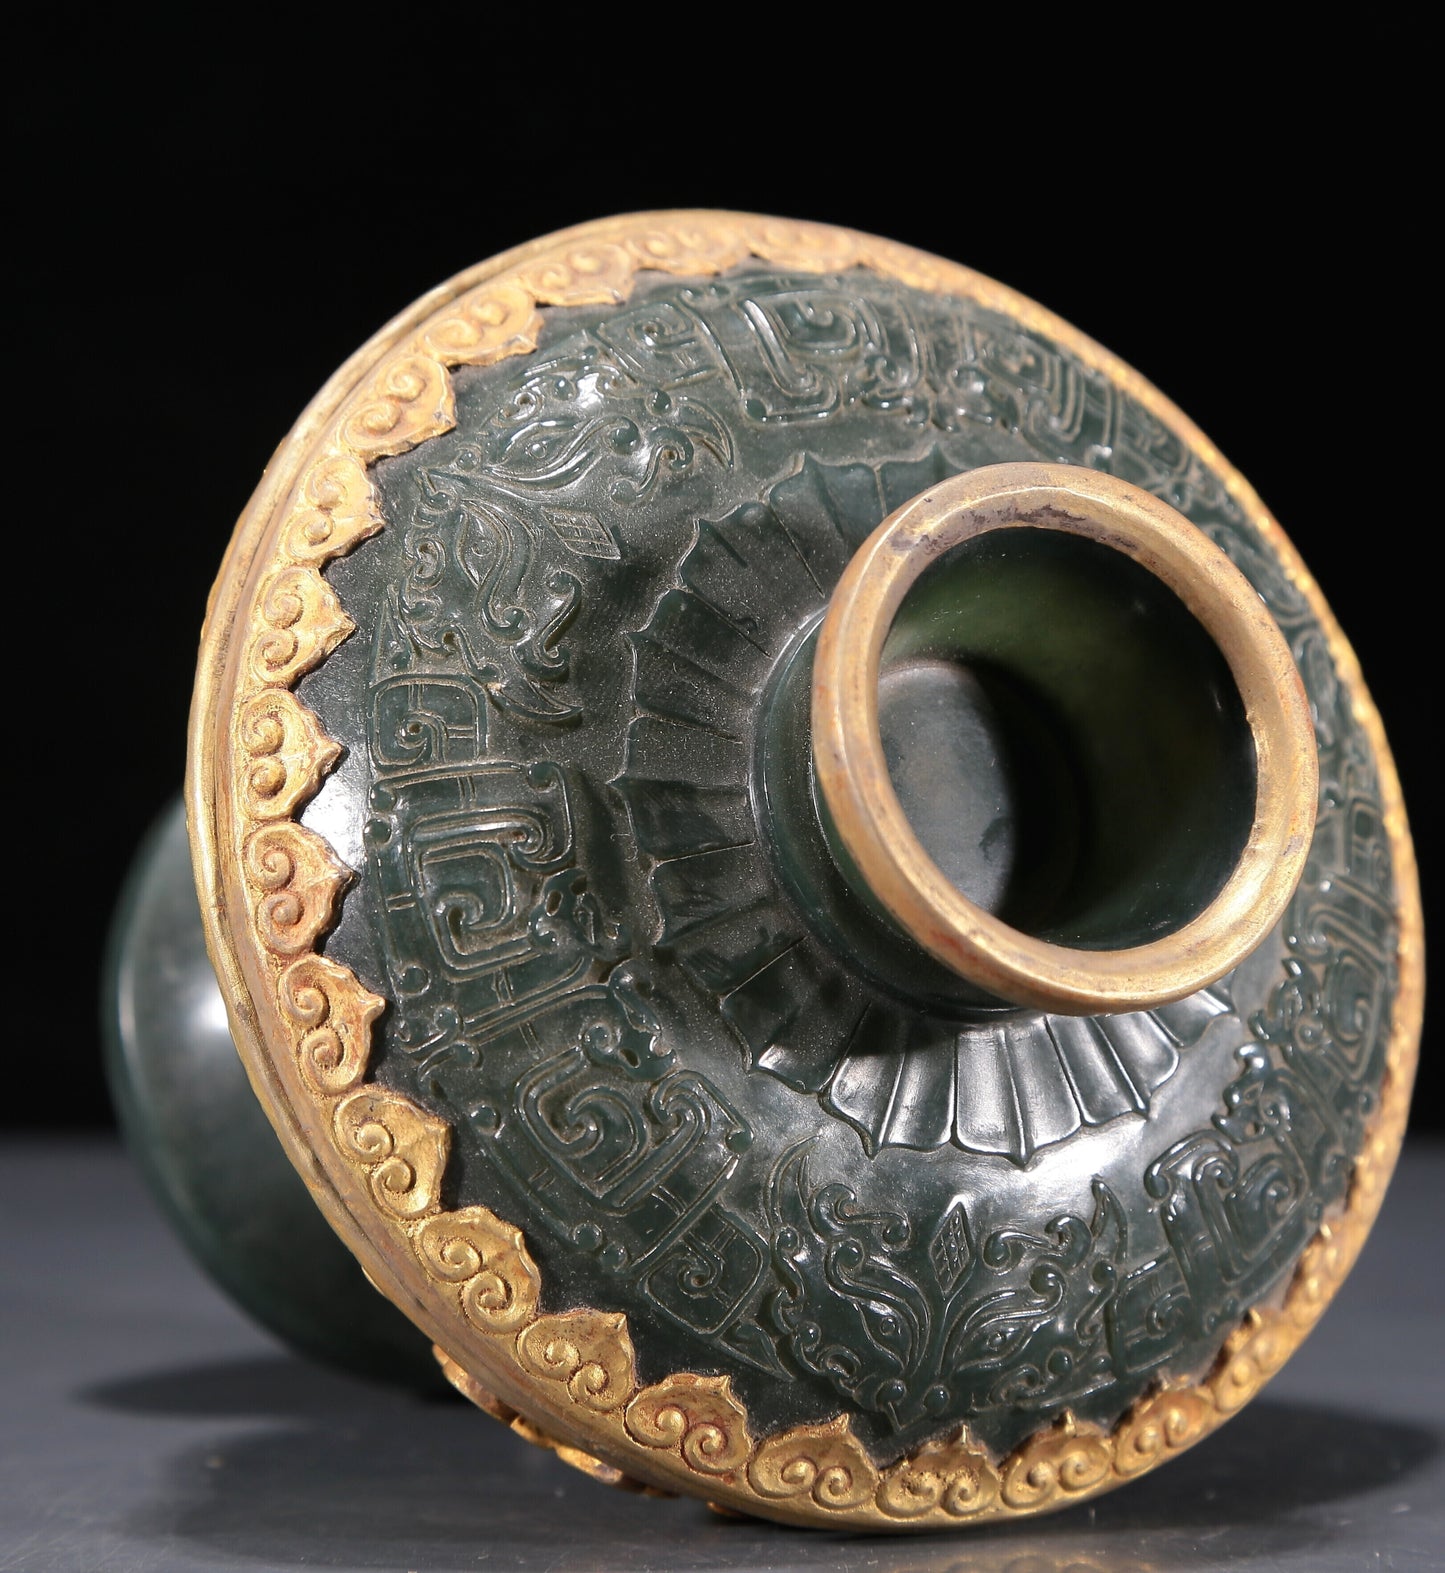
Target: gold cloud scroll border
[374, 1159]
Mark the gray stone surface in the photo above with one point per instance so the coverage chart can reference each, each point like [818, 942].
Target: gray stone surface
[145, 1426]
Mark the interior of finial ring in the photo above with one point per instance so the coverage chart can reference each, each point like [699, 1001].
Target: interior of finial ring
[1061, 742]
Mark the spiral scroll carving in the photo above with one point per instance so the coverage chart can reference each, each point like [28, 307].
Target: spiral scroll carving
[698, 1418]
[488, 1261]
[402, 1149]
[299, 623]
[331, 1014]
[487, 325]
[825, 1463]
[954, 1476]
[335, 510]
[1165, 1422]
[582, 275]
[295, 878]
[1251, 1356]
[285, 753]
[410, 400]
[589, 1352]
[1065, 1462]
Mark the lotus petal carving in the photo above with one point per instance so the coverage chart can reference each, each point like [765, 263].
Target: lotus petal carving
[748, 589]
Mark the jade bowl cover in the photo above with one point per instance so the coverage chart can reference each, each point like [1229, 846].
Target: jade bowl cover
[552, 963]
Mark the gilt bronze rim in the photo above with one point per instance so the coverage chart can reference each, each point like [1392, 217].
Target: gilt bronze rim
[374, 1159]
[853, 773]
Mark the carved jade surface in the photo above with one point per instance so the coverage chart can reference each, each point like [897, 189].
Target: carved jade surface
[667, 1039]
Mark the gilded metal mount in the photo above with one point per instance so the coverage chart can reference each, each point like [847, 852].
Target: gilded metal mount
[853, 774]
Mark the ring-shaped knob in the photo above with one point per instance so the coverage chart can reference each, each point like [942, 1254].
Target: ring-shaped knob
[873, 831]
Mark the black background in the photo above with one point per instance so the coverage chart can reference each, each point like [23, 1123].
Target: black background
[199, 240]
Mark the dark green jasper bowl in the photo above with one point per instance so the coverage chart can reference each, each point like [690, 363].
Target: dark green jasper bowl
[874, 1029]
